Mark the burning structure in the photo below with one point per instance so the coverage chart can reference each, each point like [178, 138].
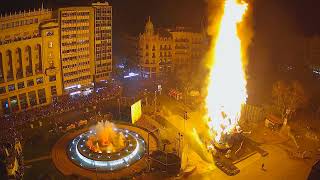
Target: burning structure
[227, 82]
[106, 147]
[105, 139]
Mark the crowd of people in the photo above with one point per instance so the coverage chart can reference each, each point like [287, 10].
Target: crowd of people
[8, 153]
[60, 105]
[10, 125]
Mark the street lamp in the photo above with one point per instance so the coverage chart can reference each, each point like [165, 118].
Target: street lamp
[180, 136]
[119, 106]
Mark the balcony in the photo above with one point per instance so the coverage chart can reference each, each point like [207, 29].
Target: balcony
[16, 39]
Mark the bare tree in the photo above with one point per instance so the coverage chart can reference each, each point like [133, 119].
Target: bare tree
[279, 96]
[287, 98]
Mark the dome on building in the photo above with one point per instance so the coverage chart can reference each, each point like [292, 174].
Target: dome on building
[149, 27]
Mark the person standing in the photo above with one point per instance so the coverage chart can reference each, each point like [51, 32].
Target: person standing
[262, 167]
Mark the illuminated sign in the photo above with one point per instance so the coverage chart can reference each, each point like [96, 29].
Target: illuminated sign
[136, 111]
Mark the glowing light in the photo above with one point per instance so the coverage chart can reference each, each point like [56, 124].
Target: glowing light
[131, 74]
[106, 139]
[75, 93]
[109, 163]
[227, 83]
[70, 87]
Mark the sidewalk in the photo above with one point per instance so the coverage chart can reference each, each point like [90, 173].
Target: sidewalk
[37, 159]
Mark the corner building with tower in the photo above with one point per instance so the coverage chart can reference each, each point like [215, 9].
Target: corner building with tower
[161, 51]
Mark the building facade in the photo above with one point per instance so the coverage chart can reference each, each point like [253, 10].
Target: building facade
[29, 60]
[86, 45]
[102, 41]
[161, 52]
[189, 46]
[76, 42]
[44, 54]
[312, 54]
[312, 49]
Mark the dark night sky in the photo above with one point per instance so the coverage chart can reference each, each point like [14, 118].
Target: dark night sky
[129, 15]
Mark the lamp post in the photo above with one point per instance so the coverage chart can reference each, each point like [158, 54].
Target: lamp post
[155, 102]
[149, 132]
[180, 136]
[119, 108]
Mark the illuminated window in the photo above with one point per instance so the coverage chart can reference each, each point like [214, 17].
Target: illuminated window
[11, 87]
[14, 103]
[52, 78]
[39, 80]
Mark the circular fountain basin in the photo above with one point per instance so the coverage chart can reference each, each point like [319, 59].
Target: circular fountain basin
[80, 154]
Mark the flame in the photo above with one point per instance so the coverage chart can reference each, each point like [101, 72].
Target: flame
[227, 83]
[106, 139]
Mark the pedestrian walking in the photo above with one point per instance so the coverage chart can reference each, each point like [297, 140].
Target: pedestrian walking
[262, 167]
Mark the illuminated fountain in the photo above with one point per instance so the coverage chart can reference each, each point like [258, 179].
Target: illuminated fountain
[106, 139]
[227, 82]
[106, 148]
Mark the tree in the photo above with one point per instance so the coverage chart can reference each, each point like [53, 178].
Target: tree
[298, 97]
[287, 98]
[279, 96]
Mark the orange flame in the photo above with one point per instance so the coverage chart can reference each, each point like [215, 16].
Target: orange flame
[227, 83]
[106, 139]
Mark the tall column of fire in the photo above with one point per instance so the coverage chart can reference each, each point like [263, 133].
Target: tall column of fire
[227, 82]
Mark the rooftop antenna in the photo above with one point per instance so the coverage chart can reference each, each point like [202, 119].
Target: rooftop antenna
[42, 5]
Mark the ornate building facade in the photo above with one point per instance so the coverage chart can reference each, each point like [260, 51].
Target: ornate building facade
[29, 60]
[155, 52]
[161, 52]
[44, 54]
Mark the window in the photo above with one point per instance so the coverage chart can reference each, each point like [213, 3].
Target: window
[153, 69]
[14, 103]
[53, 90]
[42, 96]
[5, 105]
[2, 90]
[23, 101]
[20, 85]
[52, 78]
[50, 45]
[49, 33]
[39, 80]
[11, 87]
[32, 98]
[30, 83]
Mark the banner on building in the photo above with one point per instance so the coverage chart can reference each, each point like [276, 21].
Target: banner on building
[136, 111]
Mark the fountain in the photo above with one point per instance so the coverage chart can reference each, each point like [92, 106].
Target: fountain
[106, 148]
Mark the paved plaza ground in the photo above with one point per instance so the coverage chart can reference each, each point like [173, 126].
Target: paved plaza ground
[278, 164]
